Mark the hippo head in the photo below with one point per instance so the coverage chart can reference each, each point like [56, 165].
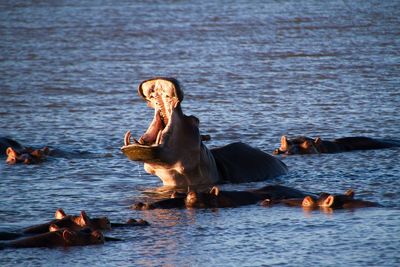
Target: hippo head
[101, 223]
[202, 199]
[171, 146]
[82, 238]
[299, 145]
[335, 201]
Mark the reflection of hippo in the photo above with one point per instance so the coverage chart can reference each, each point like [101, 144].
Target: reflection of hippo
[172, 146]
[58, 238]
[306, 145]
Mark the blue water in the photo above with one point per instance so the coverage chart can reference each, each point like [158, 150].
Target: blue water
[251, 71]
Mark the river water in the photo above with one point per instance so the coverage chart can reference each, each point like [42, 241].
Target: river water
[251, 71]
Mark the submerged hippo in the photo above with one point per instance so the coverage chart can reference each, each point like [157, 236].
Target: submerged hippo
[59, 237]
[17, 153]
[306, 145]
[216, 198]
[172, 146]
[345, 201]
[326, 201]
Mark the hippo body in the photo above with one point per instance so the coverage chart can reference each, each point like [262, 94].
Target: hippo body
[240, 163]
[306, 145]
[172, 148]
[58, 238]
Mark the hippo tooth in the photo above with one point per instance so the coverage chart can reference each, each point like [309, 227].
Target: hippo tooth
[127, 138]
[158, 140]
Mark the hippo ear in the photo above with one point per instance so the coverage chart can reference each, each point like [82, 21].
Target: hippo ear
[214, 191]
[328, 202]
[308, 202]
[46, 150]
[59, 214]
[53, 228]
[11, 156]
[83, 219]
[69, 236]
[350, 193]
[11, 152]
[318, 141]
[284, 143]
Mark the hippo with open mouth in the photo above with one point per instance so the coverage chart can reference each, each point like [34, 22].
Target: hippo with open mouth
[172, 146]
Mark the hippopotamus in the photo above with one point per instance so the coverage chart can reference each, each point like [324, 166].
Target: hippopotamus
[326, 201]
[172, 148]
[71, 222]
[6, 142]
[27, 156]
[17, 153]
[61, 237]
[345, 201]
[306, 145]
[216, 198]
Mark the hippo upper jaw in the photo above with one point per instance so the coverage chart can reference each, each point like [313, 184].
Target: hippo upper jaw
[164, 97]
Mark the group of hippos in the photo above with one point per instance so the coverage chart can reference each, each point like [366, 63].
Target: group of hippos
[173, 149]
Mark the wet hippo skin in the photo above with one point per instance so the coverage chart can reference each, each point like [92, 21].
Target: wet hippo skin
[216, 198]
[172, 146]
[325, 201]
[57, 238]
[306, 145]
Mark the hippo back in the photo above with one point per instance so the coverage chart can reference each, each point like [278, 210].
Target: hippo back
[238, 163]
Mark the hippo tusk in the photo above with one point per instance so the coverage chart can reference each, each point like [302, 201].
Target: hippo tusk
[158, 139]
[127, 138]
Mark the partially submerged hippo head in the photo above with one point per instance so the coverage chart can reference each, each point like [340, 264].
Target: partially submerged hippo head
[299, 145]
[27, 155]
[83, 220]
[171, 148]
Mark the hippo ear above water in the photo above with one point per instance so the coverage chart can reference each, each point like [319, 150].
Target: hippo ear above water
[214, 191]
[149, 84]
[284, 143]
[350, 193]
[59, 214]
[318, 141]
[83, 219]
[328, 202]
[308, 202]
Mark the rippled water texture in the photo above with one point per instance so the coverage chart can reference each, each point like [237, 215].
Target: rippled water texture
[251, 72]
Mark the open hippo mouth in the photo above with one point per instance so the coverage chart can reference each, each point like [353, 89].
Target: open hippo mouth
[164, 96]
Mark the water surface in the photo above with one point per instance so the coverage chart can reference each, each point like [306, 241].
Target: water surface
[251, 71]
